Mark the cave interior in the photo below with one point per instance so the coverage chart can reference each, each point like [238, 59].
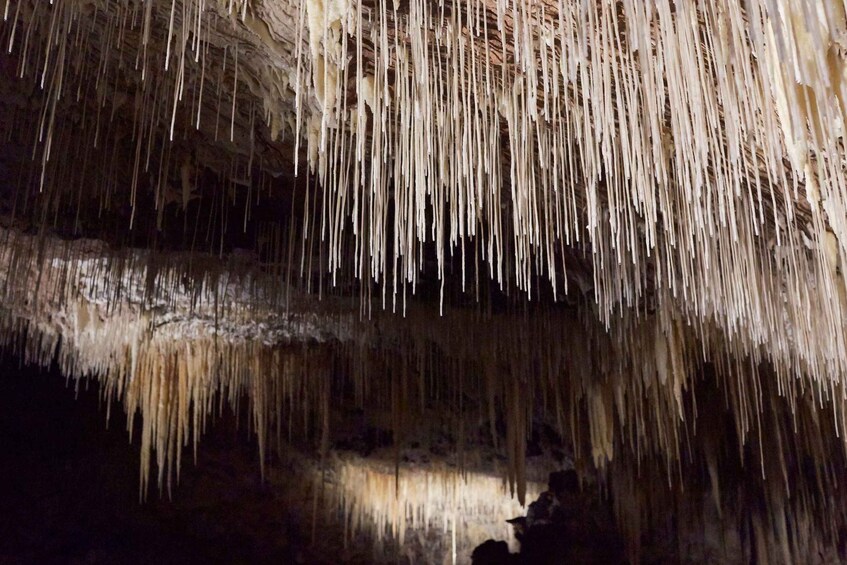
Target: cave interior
[372, 270]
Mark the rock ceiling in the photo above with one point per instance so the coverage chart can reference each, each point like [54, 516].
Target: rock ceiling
[637, 197]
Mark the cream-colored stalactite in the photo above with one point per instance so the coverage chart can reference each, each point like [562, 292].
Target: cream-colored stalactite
[367, 92]
[805, 55]
[602, 426]
[525, 149]
[470, 506]
[326, 19]
[313, 136]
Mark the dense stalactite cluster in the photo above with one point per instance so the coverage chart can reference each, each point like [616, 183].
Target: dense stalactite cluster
[629, 399]
[644, 201]
[466, 506]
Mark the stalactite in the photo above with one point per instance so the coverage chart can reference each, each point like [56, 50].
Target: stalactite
[375, 501]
